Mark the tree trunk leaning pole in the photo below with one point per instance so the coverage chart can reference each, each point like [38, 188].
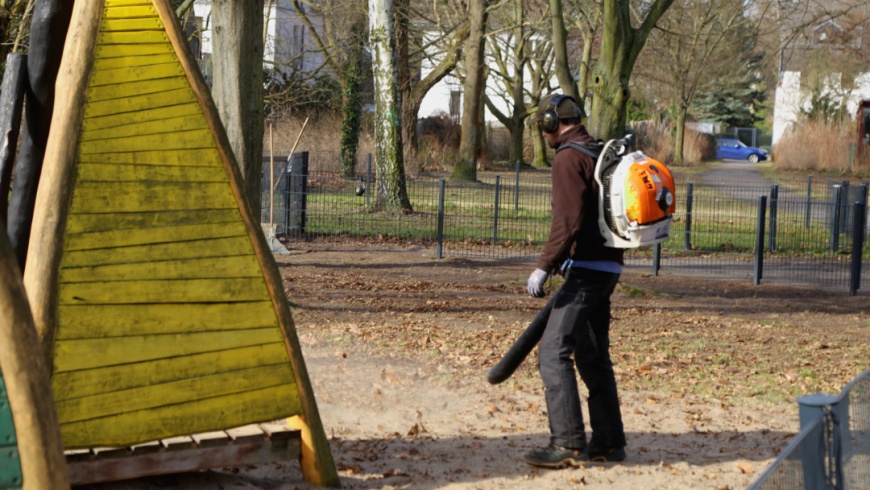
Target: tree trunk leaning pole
[48, 29]
[11, 105]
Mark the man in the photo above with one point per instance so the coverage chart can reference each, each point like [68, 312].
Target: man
[580, 320]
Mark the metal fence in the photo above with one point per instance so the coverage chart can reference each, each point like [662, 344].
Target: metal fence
[832, 450]
[809, 231]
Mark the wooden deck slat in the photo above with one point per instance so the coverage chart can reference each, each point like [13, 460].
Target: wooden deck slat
[153, 85]
[121, 119]
[170, 98]
[96, 222]
[161, 126]
[229, 267]
[198, 249]
[150, 236]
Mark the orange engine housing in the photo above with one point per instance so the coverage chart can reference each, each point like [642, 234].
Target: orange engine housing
[649, 192]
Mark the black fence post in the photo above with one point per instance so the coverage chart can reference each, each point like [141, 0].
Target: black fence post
[835, 219]
[368, 178]
[857, 246]
[774, 199]
[439, 233]
[759, 240]
[657, 258]
[517, 189]
[812, 453]
[809, 201]
[296, 194]
[688, 232]
[844, 207]
[495, 214]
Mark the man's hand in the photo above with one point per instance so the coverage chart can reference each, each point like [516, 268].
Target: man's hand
[535, 284]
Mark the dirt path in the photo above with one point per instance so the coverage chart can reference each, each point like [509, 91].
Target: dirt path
[397, 345]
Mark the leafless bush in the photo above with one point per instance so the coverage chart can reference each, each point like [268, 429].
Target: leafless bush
[821, 146]
[655, 139]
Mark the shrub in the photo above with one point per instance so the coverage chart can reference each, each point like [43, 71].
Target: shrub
[821, 146]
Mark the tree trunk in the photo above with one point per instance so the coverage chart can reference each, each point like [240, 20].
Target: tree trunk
[391, 192]
[585, 60]
[560, 49]
[238, 84]
[540, 147]
[472, 93]
[351, 104]
[47, 35]
[680, 133]
[620, 47]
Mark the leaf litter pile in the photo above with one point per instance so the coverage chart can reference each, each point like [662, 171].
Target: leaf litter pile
[708, 371]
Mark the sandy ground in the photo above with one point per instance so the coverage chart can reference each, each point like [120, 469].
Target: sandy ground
[397, 345]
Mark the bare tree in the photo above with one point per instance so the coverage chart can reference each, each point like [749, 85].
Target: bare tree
[391, 192]
[237, 86]
[472, 93]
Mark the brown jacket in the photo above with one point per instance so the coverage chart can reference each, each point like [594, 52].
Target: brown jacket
[574, 231]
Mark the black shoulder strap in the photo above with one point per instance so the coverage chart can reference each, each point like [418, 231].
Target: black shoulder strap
[592, 150]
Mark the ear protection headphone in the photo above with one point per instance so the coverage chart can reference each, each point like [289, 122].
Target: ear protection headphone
[550, 119]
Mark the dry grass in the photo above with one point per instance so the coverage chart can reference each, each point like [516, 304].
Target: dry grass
[655, 138]
[820, 146]
[322, 133]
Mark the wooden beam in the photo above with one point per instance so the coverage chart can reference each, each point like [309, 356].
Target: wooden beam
[55, 186]
[318, 466]
[26, 377]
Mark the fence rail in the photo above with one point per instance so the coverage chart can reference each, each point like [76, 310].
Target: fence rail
[832, 450]
[811, 231]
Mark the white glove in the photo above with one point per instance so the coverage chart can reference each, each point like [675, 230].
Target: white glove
[535, 284]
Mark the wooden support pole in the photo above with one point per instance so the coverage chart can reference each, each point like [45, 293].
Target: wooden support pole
[26, 377]
[11, 104]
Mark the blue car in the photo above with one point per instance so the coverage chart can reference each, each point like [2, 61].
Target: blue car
[734, 149]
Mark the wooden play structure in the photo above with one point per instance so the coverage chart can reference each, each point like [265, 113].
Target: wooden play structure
[154, 292]
[31, 455]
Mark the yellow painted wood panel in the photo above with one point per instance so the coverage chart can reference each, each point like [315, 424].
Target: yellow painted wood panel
[127, 76]
[121, 3]
[128, 50]
[163, 291]
[124, 197]
[72, 355]
[139, 103]
[185, 390]
[130, 89]
[206, 415]
[93, 123]
[89, 382]
[148, 173]
[221, 247]
[128, 10]
[111, 25]
[188, 138]
[242, 266]
[130, 61]
[86, 223]
[97, 321]
[168, 125]
[140, 37]
[127, 238]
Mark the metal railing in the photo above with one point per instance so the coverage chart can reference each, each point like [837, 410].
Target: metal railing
[800, 231]
[832, 450]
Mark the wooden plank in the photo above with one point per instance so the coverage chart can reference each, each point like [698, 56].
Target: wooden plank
[123, 3]
[164, 291]
[246, 434]
[186, 460]
[104, 51]
[90, 382]
[155, 396]
[177, 443]
[154, 173]
[197, 249]
[97, 321]
[180, 140]
[223, 267]
[125, 79]
[94, 222]
[199, 416]
[126, 238]
[144, 448]
[138, 37]
[139, 103]
[151, 59]
[161, 126]
[211, 439]
[133, 88]
[144, 24]
[145, 115]
[71, 355]
[128, 197]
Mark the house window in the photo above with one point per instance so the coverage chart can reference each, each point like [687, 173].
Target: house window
[455, 103]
